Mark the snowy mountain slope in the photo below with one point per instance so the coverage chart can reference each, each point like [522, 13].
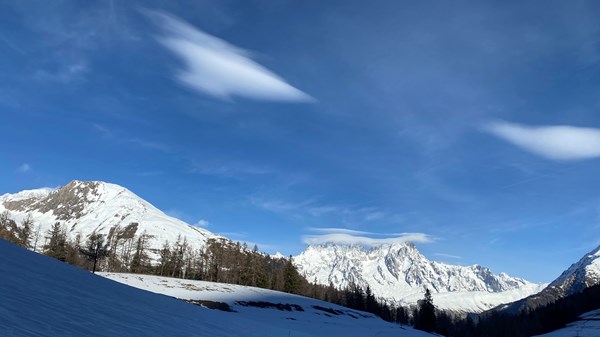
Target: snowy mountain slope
[41, 296]
[398, 274]
[579, 276]
[88, 207]
[295, 312]
[582, 274]
[587, 326]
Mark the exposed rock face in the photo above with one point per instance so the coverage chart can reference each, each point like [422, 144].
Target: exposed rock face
[94, 207]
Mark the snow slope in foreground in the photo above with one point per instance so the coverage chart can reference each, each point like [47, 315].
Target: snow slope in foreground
[302, 315]
[587, 326]
[40, 296]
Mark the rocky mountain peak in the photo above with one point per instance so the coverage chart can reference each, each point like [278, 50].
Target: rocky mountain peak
[399, 272]
[88, 207]
[580, 275]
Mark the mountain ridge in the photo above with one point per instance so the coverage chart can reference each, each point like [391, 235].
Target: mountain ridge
[580, 275]
[398, 273]
[95, 207]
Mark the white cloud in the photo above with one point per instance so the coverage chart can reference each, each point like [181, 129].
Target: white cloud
[202, 223]
[331, 230]
[217, 68]
[552, 142]
[449, 256]
[24, 168]
[347, 239]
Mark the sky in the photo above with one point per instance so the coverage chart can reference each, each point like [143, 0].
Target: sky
[469, 128]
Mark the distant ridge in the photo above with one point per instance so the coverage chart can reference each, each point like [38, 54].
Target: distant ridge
[398, 273]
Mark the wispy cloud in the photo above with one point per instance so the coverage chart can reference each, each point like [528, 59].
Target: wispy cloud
[138, 142]
[335, 230]
[227, 169]
[331, 230]
[217, 68]
[552, 142]
[65, 74]
[448, 256]
[347, 239]
[202, 223]
[346, 214]
[11, 45]
[281, 206]
[149, 145]
[24, 168]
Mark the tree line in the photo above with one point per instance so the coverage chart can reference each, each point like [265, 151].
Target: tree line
[222, 260]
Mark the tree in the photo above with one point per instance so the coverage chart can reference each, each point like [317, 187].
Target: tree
[426, 319]
[8, 228]
[56, 242]
[36, 237]
[25, 232]
[140, 260]
[291, 278]
[370, 302]
[95, 249]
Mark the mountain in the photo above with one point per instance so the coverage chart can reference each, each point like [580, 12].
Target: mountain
[44, 297]
[87, 207]
[398, 274]
[581, 275]
[395, 273]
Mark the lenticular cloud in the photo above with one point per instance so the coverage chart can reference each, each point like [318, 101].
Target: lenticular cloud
[552, 142]
[215, 67]
[347, 239]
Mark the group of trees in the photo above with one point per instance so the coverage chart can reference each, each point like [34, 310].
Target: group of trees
[221, 260]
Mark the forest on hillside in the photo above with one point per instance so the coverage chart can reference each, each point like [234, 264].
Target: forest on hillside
[225, 261]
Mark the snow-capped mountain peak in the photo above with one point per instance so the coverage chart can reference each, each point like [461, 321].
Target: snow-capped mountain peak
[86, 207]
[582, 274]
[399, 273]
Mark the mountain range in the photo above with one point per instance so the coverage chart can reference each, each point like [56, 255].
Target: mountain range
[399, 273]
[396, 273]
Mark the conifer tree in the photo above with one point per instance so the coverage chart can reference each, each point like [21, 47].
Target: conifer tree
[56, 242]
[426, 319]
[291, 278]
[25, 232]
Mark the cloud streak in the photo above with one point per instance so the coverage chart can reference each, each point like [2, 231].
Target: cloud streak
[217, 68]
[561, 142]
[24, 168]
[353, 237]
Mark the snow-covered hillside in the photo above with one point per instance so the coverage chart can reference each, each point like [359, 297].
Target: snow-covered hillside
[41, 296]
[395, 273]
[86, 207]
[399, 273]
[588, 325]
[580, 275]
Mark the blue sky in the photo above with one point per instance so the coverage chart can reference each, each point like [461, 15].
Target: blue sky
[472, 126]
